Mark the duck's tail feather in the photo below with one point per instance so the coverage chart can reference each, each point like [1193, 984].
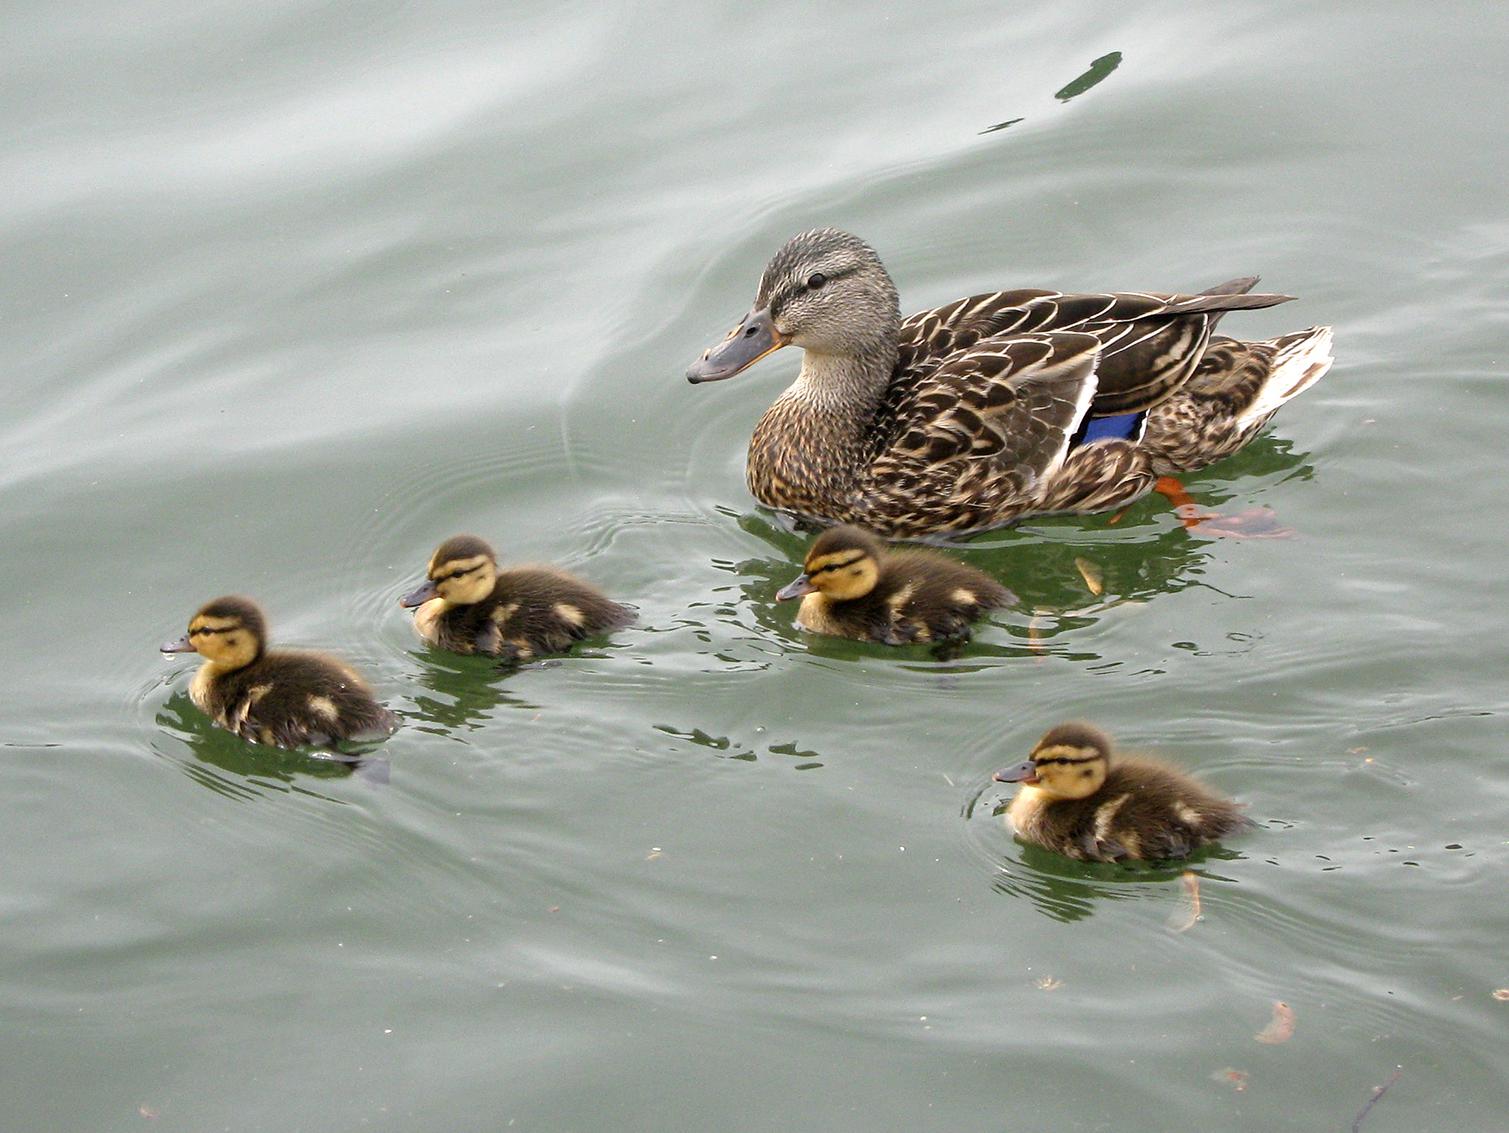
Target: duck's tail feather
[1238, 286]
[1299, 361]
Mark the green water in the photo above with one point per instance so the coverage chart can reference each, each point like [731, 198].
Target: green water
[294, 290]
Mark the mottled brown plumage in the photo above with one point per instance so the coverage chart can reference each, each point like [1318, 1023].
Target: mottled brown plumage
[468, 605]
[967, 416]
[283, 698]
[853, 586]
[1081, 799]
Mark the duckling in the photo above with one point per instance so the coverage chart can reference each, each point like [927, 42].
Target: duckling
[1081, 800]
[468, 605]
[283, 698]
[852, 586]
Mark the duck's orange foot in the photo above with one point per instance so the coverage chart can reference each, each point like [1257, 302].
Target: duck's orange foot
[1254, 523]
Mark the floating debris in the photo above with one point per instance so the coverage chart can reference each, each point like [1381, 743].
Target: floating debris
[1186, 921]
[655, 852]
[1236, 1079]
[1096, 73]
[1378, 1092]
[1280, 1028]
[1035, 634]
[1047, 983]
[1501, 994]
[1095, 579]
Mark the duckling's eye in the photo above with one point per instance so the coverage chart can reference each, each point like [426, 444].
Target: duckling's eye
[816, 280]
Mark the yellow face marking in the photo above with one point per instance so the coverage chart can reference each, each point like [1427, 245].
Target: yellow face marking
[462, 582]
[569, 613]
[843, 575]
[1068, 772]
[224, 642]
[205, 624]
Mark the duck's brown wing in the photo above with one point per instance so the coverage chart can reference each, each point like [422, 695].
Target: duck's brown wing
[928, 338]
[1151, 342]
[984, 429]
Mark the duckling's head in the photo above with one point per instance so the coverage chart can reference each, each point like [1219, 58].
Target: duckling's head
[229, 632]
[463, 570]
[825, 291]
[843, 563]
[1070, 762]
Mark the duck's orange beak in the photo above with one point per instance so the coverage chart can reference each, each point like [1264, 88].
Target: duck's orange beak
[746, 344]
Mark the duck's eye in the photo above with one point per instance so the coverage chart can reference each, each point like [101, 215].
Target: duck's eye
[816, 280]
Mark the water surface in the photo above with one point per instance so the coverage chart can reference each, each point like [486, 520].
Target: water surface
[297, 291]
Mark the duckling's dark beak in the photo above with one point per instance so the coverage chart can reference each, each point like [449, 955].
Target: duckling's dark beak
[745, 345]
[1023, 772]
[798, 586]
[178, 645]
[419, 597]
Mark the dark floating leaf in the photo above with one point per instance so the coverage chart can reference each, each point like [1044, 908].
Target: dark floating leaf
[1098, 71]
[1002, 125]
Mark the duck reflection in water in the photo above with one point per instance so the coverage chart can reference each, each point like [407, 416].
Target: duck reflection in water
[470, 690]
[252, 763]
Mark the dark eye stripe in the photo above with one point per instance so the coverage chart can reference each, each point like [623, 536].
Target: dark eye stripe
[1066, 759]
[456, 573]
[778, 302]
[828, 278]
[202, 631]
[836, 566]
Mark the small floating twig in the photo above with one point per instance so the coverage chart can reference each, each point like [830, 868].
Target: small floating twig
[1378, 1092]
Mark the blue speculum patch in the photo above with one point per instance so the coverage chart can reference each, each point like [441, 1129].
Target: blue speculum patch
[1123, 427]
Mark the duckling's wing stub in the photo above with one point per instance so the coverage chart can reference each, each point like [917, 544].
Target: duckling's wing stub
[1102, 849]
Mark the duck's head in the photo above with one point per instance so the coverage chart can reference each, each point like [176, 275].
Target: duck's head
[843, 563]
[825, 291]
[1070, 762]
[229, 632]
[463, 570]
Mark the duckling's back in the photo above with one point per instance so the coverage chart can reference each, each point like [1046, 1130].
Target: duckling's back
[1145, 809]
[540, 609]
[935, 591]
[289, 698]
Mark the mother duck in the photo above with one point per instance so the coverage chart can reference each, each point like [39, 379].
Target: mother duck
[994, 407]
